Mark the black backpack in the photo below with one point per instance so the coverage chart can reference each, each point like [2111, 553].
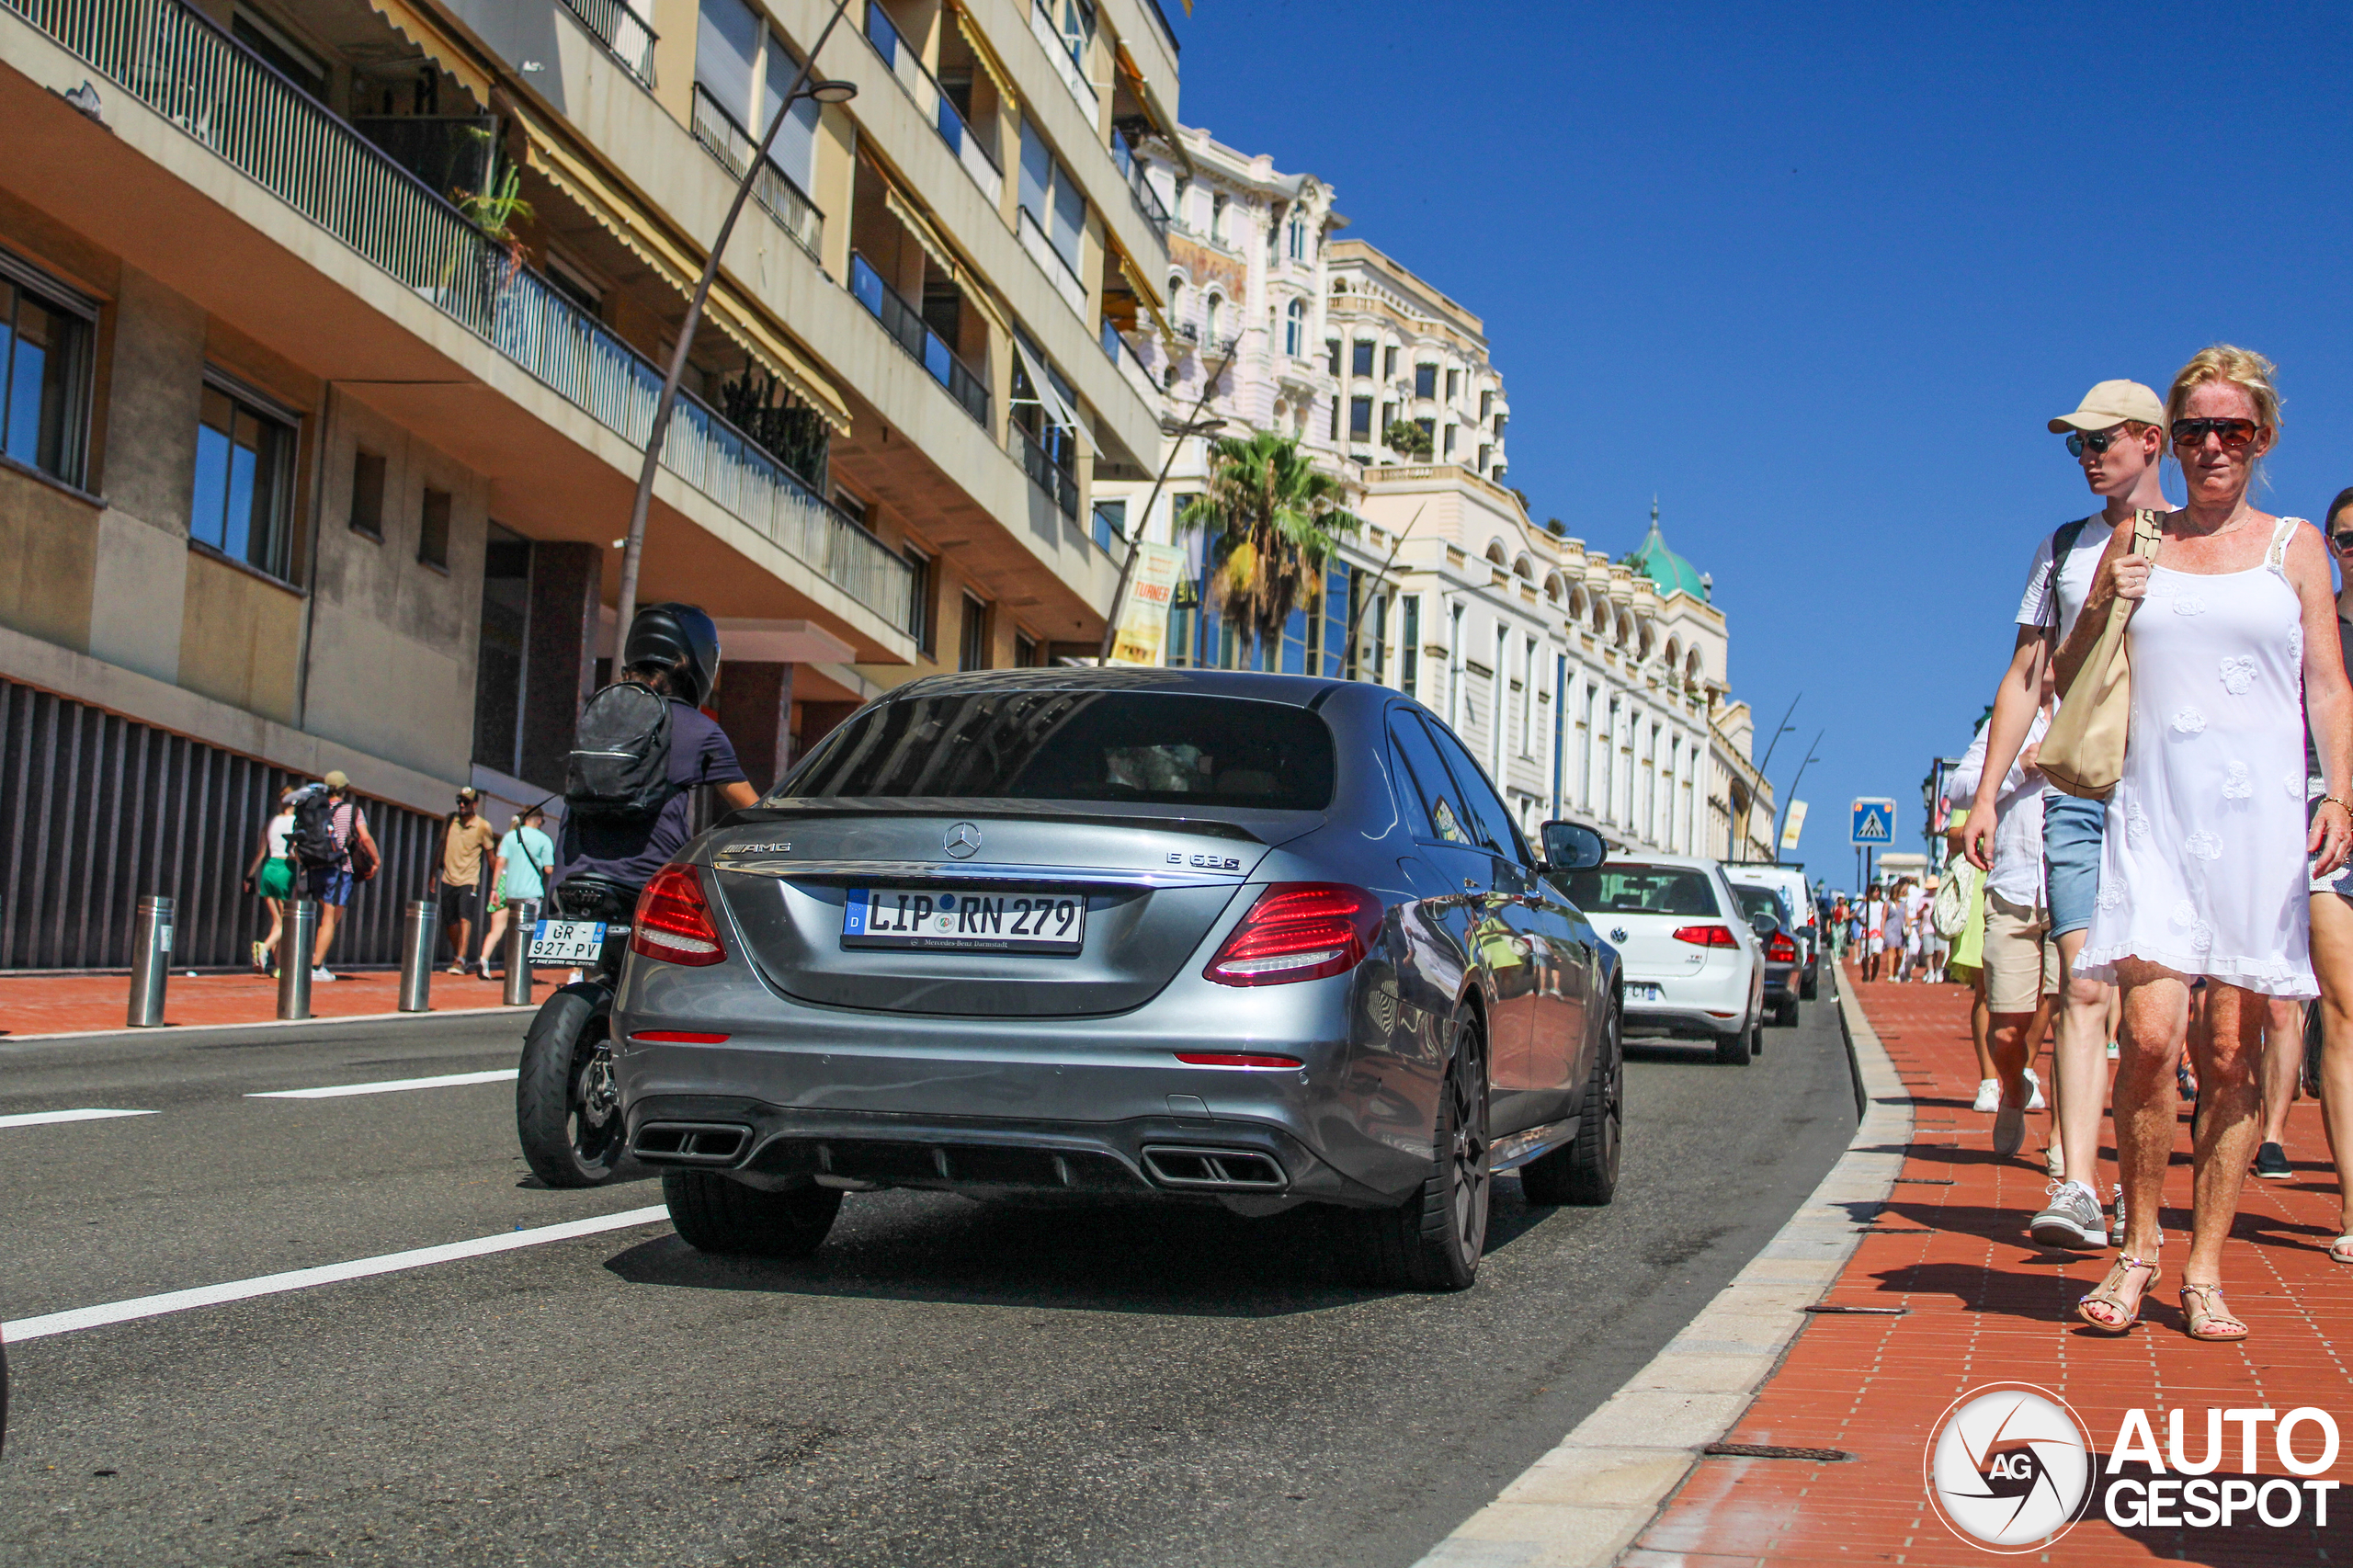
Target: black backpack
[620, 766]
[312, 839]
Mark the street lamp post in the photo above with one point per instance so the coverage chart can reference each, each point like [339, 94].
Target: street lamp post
[1749, 816]
[633, 549]
[1781, 807]
[1194, 425]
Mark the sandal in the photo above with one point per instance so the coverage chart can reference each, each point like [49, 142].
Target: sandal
[2341, 1250]
[2108, 1295]
[2209, 1311]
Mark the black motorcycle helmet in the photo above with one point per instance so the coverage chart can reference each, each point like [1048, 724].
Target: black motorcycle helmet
[681, 641]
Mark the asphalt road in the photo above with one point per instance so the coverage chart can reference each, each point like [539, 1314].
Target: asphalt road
[945, 1383]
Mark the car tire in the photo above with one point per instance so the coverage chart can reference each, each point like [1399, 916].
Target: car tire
[1811, 986]
[563, 1082]
[1738, 1050]
[1785, 1013]
[1586, 1172]
[714, 1215]
[1433, 1240]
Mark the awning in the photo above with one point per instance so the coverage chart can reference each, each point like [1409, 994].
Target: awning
[418, 27]
[943, 254]
[987, 57]
[1141, 288]
[1050, 399]
[726, 309]
[1164, 124]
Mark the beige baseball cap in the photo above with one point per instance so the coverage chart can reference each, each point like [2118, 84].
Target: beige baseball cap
[336, 779]
[2110, 403]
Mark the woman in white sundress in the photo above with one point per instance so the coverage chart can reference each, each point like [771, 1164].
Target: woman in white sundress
[2204, 869]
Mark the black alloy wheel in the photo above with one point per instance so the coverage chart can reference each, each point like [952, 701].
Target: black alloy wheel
[1736, 1049]
[567, 1107]
[1586, 1171]
[1433, 1240]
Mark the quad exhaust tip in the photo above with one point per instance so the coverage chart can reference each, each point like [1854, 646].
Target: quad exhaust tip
[691, 1143]
[1222, 1170]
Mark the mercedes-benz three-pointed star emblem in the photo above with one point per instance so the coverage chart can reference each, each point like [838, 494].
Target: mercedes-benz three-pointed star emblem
[1617, 933]
[961, 840]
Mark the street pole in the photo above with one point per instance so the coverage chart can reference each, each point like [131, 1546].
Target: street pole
[633, 551]
[1748, 817]
[1357, 613]
[1182, 432]
[1781, 812]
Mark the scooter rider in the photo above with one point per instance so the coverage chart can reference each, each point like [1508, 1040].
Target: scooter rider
[673, 649]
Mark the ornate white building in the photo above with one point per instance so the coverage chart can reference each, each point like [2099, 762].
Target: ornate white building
[1592, 688]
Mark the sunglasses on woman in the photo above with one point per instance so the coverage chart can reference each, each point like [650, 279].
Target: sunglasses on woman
[2343, 541]
[2234, 433]
[2097, 440]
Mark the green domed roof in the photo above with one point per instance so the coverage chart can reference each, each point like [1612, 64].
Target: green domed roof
[1670, 571]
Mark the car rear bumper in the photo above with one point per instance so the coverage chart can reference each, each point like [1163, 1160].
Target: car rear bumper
[1653, 1019]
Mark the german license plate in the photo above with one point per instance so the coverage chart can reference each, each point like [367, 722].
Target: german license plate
[568, 941]
[1636, 992]
[967, 921]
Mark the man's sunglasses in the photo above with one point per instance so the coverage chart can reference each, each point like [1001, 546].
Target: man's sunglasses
[2097, 440]
[2234, 433]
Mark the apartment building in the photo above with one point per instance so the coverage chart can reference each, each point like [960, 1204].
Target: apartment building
[334, 332]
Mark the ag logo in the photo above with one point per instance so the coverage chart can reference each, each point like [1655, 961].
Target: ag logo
[961, 840]
[2008, 1467]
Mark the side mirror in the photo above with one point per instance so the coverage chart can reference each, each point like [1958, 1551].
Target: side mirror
[1763, 925]
[1573, 847]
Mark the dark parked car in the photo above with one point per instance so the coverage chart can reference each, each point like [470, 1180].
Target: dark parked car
[1195, 935]
[1785, 959]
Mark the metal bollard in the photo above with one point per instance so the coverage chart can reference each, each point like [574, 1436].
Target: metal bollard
[294, 947]
[518, 964]
[418, 934]
[151, 961]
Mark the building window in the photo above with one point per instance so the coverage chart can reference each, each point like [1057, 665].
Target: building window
[433, 531]
[368, 495]
[290, 59]
[1360, 419]
[1486, 405]
[1298, 239]
[1409, 647]
[1428, 429]
[1027, 654]
[973, 651]
[1218, 226]
[1389, 362]
[1486, 455]
[1050, 196]
[1336, 419]
[1332, 356]
[1425, 381]
[1448, 449]
[1294, 328]
[1110, 525]
[1360, 356]
[920, 617]
[44, 379]
[245, 461]
[1528, 702]
[1210, 321]
[1453, 385]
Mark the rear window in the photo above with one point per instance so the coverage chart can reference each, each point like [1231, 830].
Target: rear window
[1644, 890]
[1758, 901]
[1150, 747]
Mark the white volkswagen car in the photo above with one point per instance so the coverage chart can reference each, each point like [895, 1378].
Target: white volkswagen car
[1694, 969]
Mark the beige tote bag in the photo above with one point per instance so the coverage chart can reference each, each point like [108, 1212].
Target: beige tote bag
[2083, 755]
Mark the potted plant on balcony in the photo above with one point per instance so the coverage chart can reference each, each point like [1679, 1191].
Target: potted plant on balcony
[1273, 519]
[1406, 438]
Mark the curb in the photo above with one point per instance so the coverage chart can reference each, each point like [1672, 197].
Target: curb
[182, 1031]
[1585, 1503]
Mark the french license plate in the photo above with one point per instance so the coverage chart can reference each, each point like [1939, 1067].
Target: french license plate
[966, 921]
[568, 941]
[1638, 993]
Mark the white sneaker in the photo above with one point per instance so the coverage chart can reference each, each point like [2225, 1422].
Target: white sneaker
[2034, 1101]
[1989, 1096]
[322, 975]
[2072, 1218]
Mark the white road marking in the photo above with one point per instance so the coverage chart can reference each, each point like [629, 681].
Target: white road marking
[336, 1091]
[42, 1117]
[326, 1274]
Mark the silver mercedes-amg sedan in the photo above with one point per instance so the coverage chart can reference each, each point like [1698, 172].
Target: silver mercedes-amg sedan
[1076, 933]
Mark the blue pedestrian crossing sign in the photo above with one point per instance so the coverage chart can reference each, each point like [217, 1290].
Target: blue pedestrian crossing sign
[1874, 822]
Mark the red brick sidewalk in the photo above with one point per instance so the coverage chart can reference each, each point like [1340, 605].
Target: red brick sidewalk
[1985, 1304]
[59, 1004]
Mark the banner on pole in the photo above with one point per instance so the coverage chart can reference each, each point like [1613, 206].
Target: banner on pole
[1795, 825]
[1144, 619]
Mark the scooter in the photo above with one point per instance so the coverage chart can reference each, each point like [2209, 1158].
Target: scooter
[567, 1107]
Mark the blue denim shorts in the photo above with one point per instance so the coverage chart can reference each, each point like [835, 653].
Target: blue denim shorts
[2072, 830]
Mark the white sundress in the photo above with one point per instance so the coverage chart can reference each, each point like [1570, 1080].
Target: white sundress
[2204, 868]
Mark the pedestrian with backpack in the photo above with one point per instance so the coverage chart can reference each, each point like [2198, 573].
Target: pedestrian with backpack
[2117, 435]
[335, 851]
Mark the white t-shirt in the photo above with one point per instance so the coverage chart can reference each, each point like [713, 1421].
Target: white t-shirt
[281, 828]
[2075, 583]
[2017, 823]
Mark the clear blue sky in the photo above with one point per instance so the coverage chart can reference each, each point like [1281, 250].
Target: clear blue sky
[1818, 275]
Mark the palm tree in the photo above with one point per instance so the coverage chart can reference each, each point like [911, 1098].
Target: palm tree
[1273, 519]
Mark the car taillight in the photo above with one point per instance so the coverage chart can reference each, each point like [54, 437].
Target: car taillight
[1707, 936]
[673, 921]
[1297, 931]
[1780, 949]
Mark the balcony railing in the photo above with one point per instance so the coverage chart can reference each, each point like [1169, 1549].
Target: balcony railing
[932, 98]
[726, 140]
[622, 32]
[1057, 48]
[926, 347]
[1147, 200]
[1115, 344]
[1064, 276]
[182, 66]
[1043, 470]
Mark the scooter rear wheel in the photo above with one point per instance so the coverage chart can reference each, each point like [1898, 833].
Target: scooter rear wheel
[567, 1114]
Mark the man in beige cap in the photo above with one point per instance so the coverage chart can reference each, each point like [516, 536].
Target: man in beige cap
[2117, 435]
[465, 837]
